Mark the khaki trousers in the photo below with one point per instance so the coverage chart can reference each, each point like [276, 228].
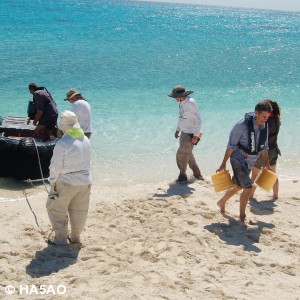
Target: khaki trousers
[68, 202]
[185, 156]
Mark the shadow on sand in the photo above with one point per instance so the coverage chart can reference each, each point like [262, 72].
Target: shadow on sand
[238, 233]
[176, 189]
[52, 259]
[9, 183]
[264, 207]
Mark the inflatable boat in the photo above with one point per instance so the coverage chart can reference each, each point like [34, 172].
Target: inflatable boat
[21, 155]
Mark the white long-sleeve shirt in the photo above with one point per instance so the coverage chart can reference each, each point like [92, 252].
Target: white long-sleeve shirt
[71, 161]
[189, 117]
[82, 110]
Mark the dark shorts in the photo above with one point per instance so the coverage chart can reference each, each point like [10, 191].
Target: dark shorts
[273, 156]
[241, 174]
[49, 123]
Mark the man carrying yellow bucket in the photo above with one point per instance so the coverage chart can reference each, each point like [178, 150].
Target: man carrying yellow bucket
[247, 140]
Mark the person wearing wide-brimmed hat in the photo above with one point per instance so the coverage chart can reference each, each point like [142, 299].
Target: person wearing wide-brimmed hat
[189, 129]
[70, 181]
[82, 109]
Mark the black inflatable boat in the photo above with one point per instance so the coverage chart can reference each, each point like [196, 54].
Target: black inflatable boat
[22, 156]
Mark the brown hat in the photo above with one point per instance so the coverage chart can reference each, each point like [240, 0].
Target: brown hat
[179, 91]
[71, 93]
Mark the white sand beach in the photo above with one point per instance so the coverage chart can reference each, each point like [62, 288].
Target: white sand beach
[154, 242]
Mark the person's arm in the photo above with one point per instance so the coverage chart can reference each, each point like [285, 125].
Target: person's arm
[227, 154]
[37, 117]
[192, 113]
[265, 152]
[39, 104]
[265, 155]
[177, 130]
[56, 164]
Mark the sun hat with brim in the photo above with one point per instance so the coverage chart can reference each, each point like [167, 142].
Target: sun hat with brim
[71, 93]
[68, 120]
[179, 91]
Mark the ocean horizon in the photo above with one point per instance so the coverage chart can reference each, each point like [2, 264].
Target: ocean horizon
[125, 57]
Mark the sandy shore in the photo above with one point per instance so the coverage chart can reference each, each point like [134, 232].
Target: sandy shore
[155, 242]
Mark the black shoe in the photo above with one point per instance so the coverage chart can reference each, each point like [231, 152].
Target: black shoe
[182, 179]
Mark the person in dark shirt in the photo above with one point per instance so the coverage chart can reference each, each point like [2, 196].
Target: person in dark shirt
[274, 124]
[45, 119]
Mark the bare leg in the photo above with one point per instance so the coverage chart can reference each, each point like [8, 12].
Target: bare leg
[276, 185]
[243, 203]
[42, 132]
[221, 203]
[255, 172]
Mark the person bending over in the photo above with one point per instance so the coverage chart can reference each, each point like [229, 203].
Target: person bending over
[45, 119]
[247, 140]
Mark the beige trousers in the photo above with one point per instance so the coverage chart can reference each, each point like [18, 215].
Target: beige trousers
[66, 202]
[185, 155]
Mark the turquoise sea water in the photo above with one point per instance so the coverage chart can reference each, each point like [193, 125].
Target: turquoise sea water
[126, 56]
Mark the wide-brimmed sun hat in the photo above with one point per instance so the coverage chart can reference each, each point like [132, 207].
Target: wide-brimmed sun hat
[179, 91]
[71, 93]
[68, 120]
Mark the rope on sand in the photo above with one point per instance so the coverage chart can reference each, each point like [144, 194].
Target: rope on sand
[36, 180]
[40, 166]
[36, 221]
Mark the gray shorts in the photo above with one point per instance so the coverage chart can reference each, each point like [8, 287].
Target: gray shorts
[273, 156]
[241, 174]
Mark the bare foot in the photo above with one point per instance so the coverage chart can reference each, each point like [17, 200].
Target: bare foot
[275, 197]
[221, 204]
[245, 220]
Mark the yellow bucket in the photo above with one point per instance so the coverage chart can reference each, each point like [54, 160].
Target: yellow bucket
[222, 181]
[266, 179]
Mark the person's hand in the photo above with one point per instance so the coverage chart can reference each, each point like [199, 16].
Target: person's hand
[195, 140]
[222, 167]
[35, 122]
[267, 166]
[176, 134]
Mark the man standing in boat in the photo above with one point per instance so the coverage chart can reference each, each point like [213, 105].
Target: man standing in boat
[47, 113]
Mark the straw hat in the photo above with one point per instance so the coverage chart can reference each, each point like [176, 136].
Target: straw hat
[68, 120]
[179, 91]
[71, 93]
